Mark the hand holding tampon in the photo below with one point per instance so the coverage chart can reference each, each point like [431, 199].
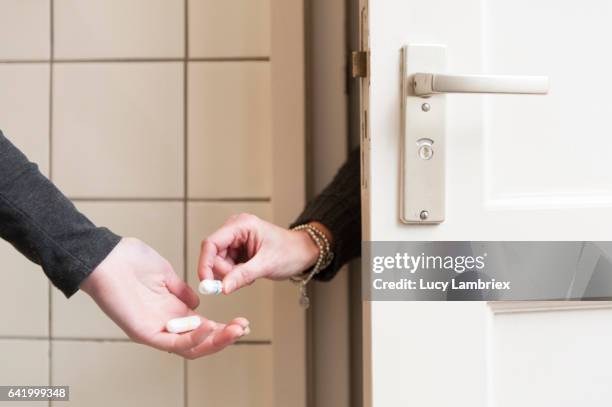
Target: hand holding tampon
[246, 248]
[140, 292]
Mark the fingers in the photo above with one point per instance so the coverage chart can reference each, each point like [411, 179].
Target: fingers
[208, 253]
[239, 230]
[243, 322]
[243, 275]
[222, 267]
[182, 343]
[210, 337]
[182, 291]
[216, 243]
[217, 341]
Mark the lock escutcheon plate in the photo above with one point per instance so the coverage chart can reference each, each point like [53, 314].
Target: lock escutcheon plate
[422, 171]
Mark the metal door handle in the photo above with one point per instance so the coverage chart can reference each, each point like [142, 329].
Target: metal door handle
[427, 84]
[423, 87]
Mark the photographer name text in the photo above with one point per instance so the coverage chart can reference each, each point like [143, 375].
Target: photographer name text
[453, 284]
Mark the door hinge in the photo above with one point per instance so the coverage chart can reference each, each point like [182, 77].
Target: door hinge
[360, 63]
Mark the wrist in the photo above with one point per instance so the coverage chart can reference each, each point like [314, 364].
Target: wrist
[325, 256]
[321, 227]
[91, 284]
[315, 246]
[309, 250]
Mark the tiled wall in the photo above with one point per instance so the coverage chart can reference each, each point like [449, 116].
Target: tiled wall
[154, 117]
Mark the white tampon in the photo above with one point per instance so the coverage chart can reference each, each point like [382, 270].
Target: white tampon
[210, 287]
[179, 325]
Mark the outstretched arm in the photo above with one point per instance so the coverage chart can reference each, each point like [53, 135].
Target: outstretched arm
[132, 284]
[246, 248]
[44, 225]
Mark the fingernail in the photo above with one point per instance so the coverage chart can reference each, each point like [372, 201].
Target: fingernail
[247, 331]
[229, 286]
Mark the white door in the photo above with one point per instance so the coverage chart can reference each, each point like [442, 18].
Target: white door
[517, 167]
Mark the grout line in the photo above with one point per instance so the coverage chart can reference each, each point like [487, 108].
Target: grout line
[50, 169]
[109, 340]
[253, 342]
[121, 199]
[64, 339]
[229, 59]
[184, 199]
[48, 337]
[77, 339]
[134, 60]
[25, 61]
[185, 173]
[24, 338]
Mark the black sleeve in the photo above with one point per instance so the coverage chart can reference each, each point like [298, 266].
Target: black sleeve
[44, 225]
[338, 207]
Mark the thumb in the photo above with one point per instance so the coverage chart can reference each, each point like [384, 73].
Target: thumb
[232, 233]
[182, 291]
[243, 274]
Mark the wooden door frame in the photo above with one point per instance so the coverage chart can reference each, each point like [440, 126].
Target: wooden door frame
[360, 109]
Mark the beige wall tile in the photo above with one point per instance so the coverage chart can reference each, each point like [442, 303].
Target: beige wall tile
[117, 374]
[240, 376]
[237, 28]
[24, 363]
[118, 129]
[119, 28]
[24, 303]
[24, 108]
[229, 130]
[253, 302]
[24, 29]
[159, 224]
[80, 317]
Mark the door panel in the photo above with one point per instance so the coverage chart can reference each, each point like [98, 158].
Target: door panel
[517, 168]
[559, 357]
[550, 151]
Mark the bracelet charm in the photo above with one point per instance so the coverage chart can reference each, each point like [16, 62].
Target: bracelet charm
[325, 258]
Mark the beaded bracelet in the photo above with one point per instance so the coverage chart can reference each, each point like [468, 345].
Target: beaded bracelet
[325, 258]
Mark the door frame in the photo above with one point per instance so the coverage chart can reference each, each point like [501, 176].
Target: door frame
[360, 113]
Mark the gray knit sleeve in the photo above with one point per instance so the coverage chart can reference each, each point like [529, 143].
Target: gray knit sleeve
[44, 225]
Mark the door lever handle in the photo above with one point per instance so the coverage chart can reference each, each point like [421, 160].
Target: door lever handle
[424, 121]
[427, 84]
